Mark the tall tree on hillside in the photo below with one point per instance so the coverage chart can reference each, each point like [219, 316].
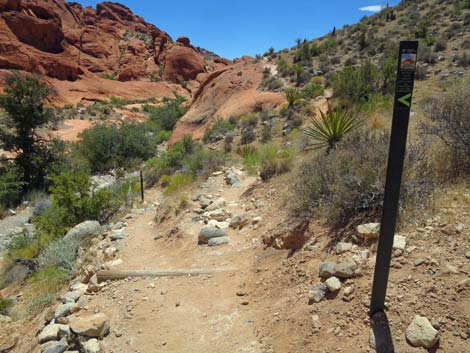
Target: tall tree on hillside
[23, 101]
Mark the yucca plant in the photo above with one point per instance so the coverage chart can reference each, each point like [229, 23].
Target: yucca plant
[292, 96]
[330, 128]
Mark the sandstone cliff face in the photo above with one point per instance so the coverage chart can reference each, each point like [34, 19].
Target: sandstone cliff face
[65, 41]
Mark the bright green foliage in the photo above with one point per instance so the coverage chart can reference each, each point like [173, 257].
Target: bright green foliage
[275, 160]
[23, 100]
[108, 147]
[176, 181]
[73, 193]
[169, 113]
[22, 246]
[330, 128]
[292, 96]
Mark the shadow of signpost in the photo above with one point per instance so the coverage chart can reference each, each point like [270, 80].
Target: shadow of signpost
[382, 335]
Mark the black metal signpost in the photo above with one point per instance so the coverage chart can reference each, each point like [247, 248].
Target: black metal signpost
[401, 115]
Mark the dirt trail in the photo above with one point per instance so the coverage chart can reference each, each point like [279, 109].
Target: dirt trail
[182, 314]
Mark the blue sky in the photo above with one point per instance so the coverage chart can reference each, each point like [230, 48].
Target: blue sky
[232, 28]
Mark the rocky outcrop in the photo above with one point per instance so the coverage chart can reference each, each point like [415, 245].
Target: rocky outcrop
[69, 42]
[232, 90]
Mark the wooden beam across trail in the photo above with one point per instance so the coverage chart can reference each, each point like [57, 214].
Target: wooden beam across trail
[121, 274]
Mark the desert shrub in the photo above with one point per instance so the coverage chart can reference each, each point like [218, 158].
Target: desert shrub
[359, 84]
[421, 72]
[75, 200]
[440, 45]
[22, 246]
[108, 147]
[5, 304]
[203, 162]
[175, 182]
[292, 96]
[249, 120]
[311, 90]
[166, 115]
[266, 133]
[217, 131]
[427, 55]
[248, 136]
[43, 286]
[449, 113]
[109, 76]
[250, 157]
[274, 160]
[272, 83]
[284, 68]
[463, 59]
[60, 253]
[349, 182]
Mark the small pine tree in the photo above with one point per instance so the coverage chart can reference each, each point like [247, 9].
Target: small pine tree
[23, 100]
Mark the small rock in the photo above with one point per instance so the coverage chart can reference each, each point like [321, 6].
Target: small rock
[110, 252]
[218, 241]
[327, 269]
[348, 291]
[55, 347]
[217, 204]
[4, 319]
[208, 232]
[240, 221]
[53, 332]
[369, 230]
[256, 220]
[63, 310]
[231, 178]
[91, 346]
[345, 270]
[316, 293]
[342, 247]
[70, 297]
[419, 262]
[118, 234]
[90, 326]
[333, 284]
[399, 242]
[467, 254]
[420, 333]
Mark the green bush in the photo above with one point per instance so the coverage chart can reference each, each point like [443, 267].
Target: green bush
[60, 253]
[74, 200]
[108, 147]
[348, 184]
[5, 304]
[272, 83]
[175, 182]
[216, 131]
[166, 115]
[22, 246]
[358, 84]
[274, 160]
[311, 90]
[43, 286]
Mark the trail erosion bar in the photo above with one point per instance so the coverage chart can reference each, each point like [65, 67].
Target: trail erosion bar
[407, 57]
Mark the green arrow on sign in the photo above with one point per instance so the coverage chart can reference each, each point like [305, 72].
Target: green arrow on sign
[404, 100]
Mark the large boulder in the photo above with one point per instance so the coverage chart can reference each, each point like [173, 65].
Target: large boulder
[94, 326]
[83, 230]
[53, 332]
[368, 230]
[421, 333]
[182, 64]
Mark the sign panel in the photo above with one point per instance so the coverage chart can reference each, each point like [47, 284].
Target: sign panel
[401, 114]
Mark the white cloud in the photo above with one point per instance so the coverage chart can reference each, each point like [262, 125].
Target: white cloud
[371, 8]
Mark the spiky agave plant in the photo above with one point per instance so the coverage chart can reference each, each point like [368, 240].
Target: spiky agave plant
[292, 96]
[330, 128]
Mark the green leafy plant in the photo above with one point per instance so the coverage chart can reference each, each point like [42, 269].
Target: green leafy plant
[292, 96]
[5, 304]
[330, 128]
